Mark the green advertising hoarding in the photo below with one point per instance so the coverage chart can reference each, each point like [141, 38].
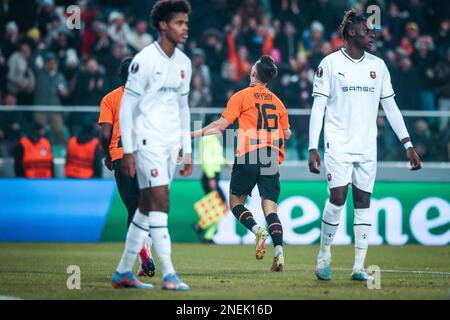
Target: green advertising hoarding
[401, 213]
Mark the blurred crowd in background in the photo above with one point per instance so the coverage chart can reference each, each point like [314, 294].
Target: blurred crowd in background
[43, 62]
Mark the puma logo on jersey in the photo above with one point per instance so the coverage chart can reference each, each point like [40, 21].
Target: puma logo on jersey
[341, 74]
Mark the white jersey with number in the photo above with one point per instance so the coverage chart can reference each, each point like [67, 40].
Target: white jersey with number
[159, 81]
[353, 89]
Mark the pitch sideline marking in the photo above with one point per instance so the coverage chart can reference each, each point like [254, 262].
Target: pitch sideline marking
[404, 271]
[9, 298]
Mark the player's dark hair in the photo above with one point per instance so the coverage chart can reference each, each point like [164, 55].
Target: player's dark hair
[350, 18]
[165, 9]
[123, 70]
[266, 70]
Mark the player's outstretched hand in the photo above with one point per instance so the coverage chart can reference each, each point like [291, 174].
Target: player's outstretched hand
[127, 166]
[414, 159]
[314, 161]
[187, 170]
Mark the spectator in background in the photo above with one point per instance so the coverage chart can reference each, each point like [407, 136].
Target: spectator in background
[417, 12]
[199, 66]
[33, 157]
[10, 43]
[103, 45]
[89, 90]
[112, 63]
[313, 41]
[443, 37]
[321, 10]
[238, 56]
[395, 21]
[250, 10]
[46, 17]
[54, 28]
[90, 83]
[20, 79]
[200, 96]
[424, 58]
[410, 37]
[214, 50]
[69, 68]
[287, 42]
[11, 127]
[442, 89]
[407, 83]
[139, 38]
[50, 87]
[60, 46]
[84, 155]
[118, 29]
[224, 85]
[422, 139]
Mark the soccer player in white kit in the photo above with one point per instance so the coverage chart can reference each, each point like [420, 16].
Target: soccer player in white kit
[155, 130]
[348, 87]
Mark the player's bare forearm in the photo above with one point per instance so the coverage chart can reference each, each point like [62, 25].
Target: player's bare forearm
[216, 127]
[128, 166]
[105, 140]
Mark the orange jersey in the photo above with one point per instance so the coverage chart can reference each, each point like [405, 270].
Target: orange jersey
[262, 117]
[109, 113]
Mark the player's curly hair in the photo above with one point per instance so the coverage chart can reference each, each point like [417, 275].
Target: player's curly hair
[351, 17]
[163, 10]
[123, 70]
[266, 69]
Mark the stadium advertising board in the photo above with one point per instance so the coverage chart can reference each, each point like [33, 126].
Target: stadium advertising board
[89, 211]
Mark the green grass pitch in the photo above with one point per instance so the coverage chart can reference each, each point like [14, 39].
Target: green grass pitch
[39, 271]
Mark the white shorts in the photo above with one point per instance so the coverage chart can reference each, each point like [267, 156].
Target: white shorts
[155, 165]
[358, 170]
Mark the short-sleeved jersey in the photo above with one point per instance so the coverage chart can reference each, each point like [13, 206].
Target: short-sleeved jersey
[109, 113]
[160, 82]
[262, 117]
[353, 89]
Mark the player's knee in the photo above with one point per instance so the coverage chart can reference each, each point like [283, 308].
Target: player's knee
[161, 206]
[338, 199]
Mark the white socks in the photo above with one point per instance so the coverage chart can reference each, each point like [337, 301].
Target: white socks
[161, 240]
[255, 228]
[136, 236]
[278, 250]
[361, 228]
[330, 223]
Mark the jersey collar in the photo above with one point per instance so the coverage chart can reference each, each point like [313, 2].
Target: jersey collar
[161, 51]
[351, 59]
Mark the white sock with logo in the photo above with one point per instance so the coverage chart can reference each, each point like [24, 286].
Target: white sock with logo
[330, 223]
[149, 244]
[361, 227]
[161, 240]
[136, 235]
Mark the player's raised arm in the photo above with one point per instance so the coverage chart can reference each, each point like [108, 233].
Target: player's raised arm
[396, 121]
[231, 113]
[215, 127]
